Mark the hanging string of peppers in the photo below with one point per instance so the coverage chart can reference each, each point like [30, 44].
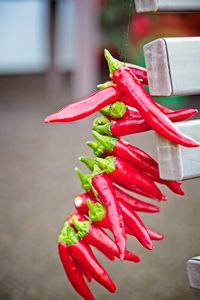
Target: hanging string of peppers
[127, 108]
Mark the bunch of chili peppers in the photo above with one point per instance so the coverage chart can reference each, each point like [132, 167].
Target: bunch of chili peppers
[127, 108]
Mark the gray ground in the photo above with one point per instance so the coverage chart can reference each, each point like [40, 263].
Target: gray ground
[37, 188]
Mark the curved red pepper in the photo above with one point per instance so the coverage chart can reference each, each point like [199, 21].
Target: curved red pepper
[134, 223]
[106, 192]
[136, 124]
[86, 106]
[98, 238]
[83, 253]
[85, 272]
[136, 204]
[73, 272]
[129, 177]
[133, 89]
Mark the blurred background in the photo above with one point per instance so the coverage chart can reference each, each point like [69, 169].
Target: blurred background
[51, 53]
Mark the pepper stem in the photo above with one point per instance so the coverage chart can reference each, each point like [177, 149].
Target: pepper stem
[96, 170]
[96, 210]
[105, 110]
[97, 148]
[113, 63]
[107, 164]
[85, 179]
[83, 227]
[118, 109]
[68, 235]
[88, 161]
[107, 141]
[102, 125]
[104, 85]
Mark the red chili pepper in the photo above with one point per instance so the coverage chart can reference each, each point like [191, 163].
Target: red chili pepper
[98, 238]
[136, 204]
[129, 177]
[106, 192]
[135, 124]
[134, 223]
[133, 89]
[86, 106]
[154, 235]
[83, 253]
[137, 157]
[85, 272]
[118, 110]
[72, 269]
[73, 272]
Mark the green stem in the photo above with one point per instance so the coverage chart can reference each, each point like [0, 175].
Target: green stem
[88, 161]
[97, 148]
[105, 110]
[107, 141]
[96, 170]
[113, 63]
[107, 164]
[68, 235]
[85, 179]
[117, 109]
[102, 125]
[96, 211]
[104, 85]
[83, 227]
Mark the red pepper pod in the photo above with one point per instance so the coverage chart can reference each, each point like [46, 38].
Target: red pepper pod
[86, 106]
[136, 124]
[135, 224]
[133, 89]
[83, 253]
[73, 272]
[129, 177]
[106, 192]
[85, 272]
[154, 235]
[174, 186]
[136, 204]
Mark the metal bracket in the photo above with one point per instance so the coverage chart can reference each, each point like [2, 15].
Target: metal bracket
[153, 6]
[193, 270]
[177, 162]
[173, 66]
